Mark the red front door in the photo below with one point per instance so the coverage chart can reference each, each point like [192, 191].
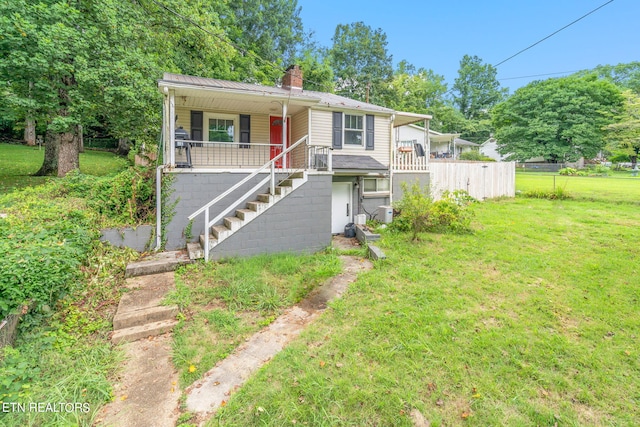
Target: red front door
[275, 137]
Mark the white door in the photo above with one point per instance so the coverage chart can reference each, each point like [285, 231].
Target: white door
[341, 206]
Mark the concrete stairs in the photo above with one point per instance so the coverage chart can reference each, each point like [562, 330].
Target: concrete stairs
[230, 225]
[140, 312]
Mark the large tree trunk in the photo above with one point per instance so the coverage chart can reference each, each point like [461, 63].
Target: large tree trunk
[80, 133]
[30, 131]
[61, 154]
[123, 146]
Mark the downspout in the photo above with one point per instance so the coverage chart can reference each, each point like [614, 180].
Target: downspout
[158, 208]
[391, 157]
[159, 178]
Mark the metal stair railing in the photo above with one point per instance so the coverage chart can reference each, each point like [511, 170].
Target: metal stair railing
[271, 164]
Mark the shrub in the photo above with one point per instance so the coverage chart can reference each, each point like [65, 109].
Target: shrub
[48, 231]
[599, 170]
[558, 194]
[474, 155]
[418, 212]
[568, 171]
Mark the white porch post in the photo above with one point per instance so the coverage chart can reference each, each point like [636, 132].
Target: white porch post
[172, 128]
[284, 133]
[428, 141]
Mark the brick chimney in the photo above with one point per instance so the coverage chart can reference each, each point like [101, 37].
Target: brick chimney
[292, 78]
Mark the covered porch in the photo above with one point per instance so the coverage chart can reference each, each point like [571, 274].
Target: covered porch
[410, 154]
[214, 125]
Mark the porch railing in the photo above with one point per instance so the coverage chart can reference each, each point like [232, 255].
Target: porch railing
[208, 154]
[407, 157]
[298, 156]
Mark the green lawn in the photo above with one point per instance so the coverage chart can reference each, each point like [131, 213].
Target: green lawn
[532, 320]
[620, 187]
[18, 162]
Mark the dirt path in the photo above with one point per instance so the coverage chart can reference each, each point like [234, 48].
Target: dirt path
[147, 392]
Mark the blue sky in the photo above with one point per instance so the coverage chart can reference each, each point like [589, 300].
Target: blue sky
[437, 34]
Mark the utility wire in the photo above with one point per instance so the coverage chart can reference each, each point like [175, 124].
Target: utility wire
[552, 34]
[540, 75]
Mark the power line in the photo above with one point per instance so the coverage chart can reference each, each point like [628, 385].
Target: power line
[552, 34]
[540, 75]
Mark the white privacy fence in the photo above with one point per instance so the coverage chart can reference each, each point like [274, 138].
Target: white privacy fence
[482, 180]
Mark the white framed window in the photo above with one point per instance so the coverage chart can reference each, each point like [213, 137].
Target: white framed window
[221, 127]
[353, 130]
[375, 186]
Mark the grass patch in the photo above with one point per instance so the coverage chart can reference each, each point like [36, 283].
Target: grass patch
[223, 303]
[65, 355]
[19, 162]
[530, 320]
[618, 188]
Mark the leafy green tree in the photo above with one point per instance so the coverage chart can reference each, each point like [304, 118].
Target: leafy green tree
[623, 137]
[559, 119]
[476, 89]
[360, 61]
[69, 63]
[267, 33]
[623, 75]
[415, 90]
[317, 73]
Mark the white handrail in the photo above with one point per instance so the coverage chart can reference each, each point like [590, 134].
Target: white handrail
[271, 163]
[246, 179]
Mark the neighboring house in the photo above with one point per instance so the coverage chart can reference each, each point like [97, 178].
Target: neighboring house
[272, 169]
[461, 145]
[489, 148]
[439, 145]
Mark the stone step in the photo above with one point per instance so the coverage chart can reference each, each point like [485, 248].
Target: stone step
[299, 174]
[195, 251]
[258, 207]
[266, 198]
[144, 316]
[233, 223]
[286, 183]
[220, 232]
[212, 242]
[246, 214]
[138, 332]
[282, 191]
[157, 263]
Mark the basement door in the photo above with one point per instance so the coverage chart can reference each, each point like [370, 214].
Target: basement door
[341, 206]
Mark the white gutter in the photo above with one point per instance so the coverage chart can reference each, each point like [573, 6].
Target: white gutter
[158, 208]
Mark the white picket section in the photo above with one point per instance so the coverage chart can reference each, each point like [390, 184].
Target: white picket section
[482, 180]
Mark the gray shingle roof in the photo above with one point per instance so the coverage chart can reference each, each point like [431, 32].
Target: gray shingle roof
[341, 161]
[324, 99]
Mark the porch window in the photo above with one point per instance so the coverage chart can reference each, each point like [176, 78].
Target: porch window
[221, 130]
[353, 130]
[375, 185]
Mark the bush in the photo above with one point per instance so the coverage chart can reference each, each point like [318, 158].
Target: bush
[49, 230]
[474, 155]
[568, 171]
[558, 194]
[418, 212]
